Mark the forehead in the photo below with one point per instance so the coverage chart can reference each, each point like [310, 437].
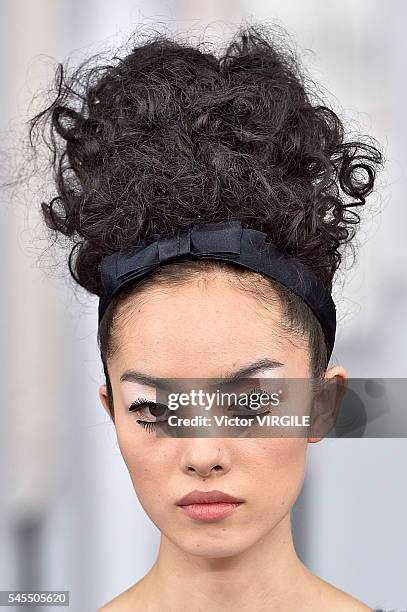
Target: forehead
[199, 328]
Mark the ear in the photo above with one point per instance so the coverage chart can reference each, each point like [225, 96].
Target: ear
[105, 400]
[326, 407]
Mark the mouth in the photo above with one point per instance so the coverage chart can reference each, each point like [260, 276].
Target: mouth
[209, 505]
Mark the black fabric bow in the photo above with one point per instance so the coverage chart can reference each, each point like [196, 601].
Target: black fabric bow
[227, 241]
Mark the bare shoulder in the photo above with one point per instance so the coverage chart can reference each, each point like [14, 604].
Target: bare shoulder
[329, 597]
[346, 603]
[339, 601]
[120, 603]
[131, 599]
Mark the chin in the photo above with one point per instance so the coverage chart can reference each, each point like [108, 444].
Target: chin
[215, 541]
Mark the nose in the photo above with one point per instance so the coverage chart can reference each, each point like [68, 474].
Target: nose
[204, 457]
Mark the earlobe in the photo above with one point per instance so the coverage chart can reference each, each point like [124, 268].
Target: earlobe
[313, 440]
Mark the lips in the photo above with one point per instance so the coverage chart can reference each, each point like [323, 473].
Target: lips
[208, 497]
[208, 506]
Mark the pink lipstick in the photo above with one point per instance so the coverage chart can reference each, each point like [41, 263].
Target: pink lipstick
[208, 505]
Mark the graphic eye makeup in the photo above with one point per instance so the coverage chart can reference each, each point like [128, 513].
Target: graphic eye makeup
[158, 413]
[244, 410]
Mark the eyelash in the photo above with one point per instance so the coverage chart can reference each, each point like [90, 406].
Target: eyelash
[148, 425]
[137, 405]
[151, 425]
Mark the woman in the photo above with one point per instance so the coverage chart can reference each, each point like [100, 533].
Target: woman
[144, 148]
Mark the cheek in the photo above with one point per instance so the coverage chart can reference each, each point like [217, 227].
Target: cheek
[279, 466]
[147, 462]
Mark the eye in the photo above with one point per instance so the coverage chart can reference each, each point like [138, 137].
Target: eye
[154, 413]
[243, 409]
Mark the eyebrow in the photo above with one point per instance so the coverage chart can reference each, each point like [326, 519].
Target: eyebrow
[231, 377]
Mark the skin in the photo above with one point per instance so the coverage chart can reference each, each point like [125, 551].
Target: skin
[247, 560]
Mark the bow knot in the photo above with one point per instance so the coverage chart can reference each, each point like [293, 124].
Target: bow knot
[200, 240]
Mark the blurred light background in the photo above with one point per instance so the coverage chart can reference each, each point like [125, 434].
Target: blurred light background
[69, 518]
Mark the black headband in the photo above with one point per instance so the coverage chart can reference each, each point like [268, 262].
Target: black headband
[227, 241]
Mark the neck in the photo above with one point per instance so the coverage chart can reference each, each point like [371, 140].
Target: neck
[267, 575]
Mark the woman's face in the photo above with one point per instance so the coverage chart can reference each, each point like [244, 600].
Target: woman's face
[206, 330]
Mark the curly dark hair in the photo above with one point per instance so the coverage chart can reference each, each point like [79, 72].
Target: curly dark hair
[169, 133]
